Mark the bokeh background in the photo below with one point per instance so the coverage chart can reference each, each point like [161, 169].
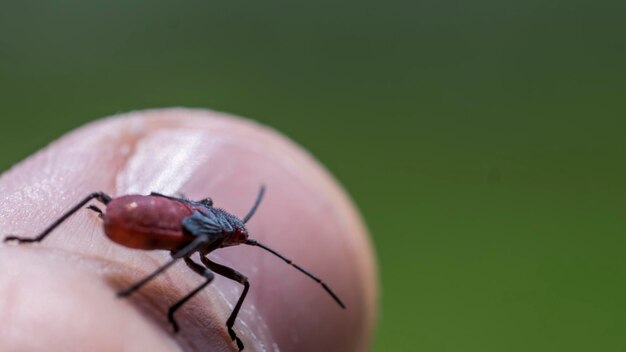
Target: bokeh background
[484, 141]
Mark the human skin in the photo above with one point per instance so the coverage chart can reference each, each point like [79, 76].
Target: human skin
[59, 295]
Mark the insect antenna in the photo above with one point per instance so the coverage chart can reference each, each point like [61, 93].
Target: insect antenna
[256, 205]
[290, 262]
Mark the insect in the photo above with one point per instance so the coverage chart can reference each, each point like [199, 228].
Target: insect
[183, 227]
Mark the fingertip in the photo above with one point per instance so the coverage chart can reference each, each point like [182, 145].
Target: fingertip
[304, 213]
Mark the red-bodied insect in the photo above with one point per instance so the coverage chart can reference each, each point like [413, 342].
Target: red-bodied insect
[183, 227]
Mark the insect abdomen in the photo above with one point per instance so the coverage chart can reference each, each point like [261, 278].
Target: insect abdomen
[146, 222]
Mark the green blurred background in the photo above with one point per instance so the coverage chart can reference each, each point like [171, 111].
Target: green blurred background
[482, 140]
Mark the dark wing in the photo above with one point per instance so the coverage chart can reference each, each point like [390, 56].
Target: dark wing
[203, 224]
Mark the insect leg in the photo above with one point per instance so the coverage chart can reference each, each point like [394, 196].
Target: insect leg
[180, 196]
[201, 271]
[96, 210]
[235, 276]
[100, 196]
[185, 252]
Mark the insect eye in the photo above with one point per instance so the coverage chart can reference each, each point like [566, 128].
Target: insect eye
[207, 201]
